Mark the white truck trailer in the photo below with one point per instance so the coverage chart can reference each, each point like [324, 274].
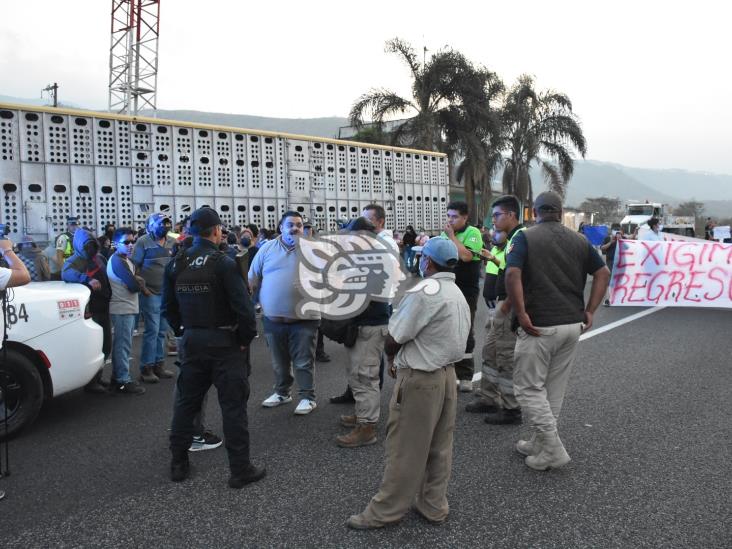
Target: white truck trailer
[637, 215]
[107, 168]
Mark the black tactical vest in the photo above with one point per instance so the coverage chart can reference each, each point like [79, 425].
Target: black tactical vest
[554, 274]
[201, 299]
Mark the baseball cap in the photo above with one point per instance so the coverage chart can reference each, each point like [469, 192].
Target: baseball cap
[548, 202]
[204, 218]
[72, 220]
[442, 251]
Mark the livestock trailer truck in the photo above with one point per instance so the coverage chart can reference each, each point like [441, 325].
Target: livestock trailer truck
[108, 168]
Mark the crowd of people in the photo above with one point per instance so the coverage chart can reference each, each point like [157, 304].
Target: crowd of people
[197, 287]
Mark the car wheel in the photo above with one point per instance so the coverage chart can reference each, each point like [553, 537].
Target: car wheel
[21, 390]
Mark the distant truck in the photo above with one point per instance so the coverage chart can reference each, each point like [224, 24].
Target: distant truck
[638, 214]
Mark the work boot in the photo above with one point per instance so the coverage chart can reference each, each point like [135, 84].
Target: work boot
[251, 474]
[96, 386]
[528, 447]
[160, 371]
[349, 421]
[362, 435]
[480, 406]
[359, 522]
[504, 417]
[147, 375]
[345, 398]
[179, 469]
[551, 455]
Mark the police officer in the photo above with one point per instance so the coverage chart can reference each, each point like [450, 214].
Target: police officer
[205, 298]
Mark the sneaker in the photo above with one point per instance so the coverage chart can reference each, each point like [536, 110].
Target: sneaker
[208, 441]
[129, 388]
[465, 385]
[322, 357]
[147, 375]
[345, 398]
[305, 407]
[276, 399]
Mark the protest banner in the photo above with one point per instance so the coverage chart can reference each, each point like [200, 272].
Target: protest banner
[672, 273]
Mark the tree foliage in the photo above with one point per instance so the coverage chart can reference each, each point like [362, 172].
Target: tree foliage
[606, 209]
[541, 128]
[692, 207]
[463, 110]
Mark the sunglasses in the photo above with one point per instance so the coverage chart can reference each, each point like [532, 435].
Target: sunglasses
[127, 242]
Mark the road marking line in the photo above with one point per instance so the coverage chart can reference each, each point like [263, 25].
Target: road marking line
[606, 328]
[613, 325]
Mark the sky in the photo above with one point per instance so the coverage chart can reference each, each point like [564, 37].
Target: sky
[650, 80]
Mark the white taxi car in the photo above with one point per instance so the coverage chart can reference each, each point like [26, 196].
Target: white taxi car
[53, 347]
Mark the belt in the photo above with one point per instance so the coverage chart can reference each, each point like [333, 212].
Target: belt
[285, 320]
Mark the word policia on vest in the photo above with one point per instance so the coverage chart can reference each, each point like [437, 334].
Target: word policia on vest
[671, 273]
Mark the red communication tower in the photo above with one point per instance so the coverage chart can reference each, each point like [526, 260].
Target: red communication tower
[133, 55]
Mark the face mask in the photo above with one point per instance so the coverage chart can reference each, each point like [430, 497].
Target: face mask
[245, 241]
[421, 267]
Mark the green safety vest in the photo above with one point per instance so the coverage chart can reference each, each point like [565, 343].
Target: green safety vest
[500, 254]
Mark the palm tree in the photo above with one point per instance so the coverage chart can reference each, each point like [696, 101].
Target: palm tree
[451, 101]
[539, 126]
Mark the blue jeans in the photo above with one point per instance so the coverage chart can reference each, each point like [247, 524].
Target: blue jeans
[122, 346]
[408, 256]
[156, 328]
[292, 347]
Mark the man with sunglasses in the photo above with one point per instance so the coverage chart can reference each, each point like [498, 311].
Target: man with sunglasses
[123, 309]
[495, 396]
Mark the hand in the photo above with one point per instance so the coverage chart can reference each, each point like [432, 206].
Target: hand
[526, 324]
[588, 321]
[486, 254]
[95, 284]
[392, 368]
[449, 231]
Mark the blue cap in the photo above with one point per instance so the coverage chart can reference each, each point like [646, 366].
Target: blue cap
[442, 251]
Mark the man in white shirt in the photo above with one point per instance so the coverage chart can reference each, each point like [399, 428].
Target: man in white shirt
[653, 232]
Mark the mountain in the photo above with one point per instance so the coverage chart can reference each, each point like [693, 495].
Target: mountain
[594, 178]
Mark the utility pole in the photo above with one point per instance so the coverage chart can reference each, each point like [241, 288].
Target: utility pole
[53, 90]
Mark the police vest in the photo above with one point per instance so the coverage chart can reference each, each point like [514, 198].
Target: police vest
[201, 297]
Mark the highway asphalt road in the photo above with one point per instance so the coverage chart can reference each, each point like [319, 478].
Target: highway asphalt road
[646, 421]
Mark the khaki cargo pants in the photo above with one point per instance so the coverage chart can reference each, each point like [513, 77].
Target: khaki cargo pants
[364, 359]
[542, 369]
[418, 446]
[496, 382]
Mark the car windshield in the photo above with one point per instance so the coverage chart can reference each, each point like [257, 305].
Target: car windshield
[640, 209]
